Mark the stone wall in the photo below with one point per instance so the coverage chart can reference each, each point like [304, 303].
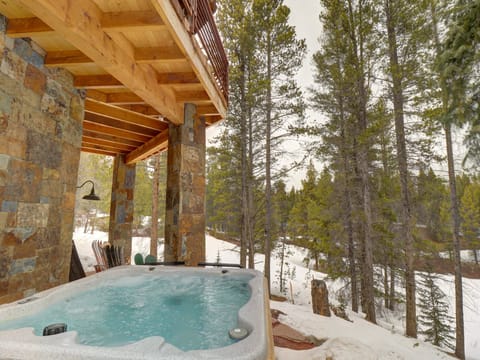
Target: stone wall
[40, 137]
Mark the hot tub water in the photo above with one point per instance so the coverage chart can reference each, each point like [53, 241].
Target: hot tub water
[189, 311]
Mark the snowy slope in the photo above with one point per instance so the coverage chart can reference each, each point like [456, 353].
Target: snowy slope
[346, 340]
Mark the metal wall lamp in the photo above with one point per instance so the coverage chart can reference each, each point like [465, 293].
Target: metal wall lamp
[92, 195]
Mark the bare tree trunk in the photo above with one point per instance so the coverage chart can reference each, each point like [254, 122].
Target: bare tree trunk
[155, 190]
[268, 179]
[460, 335]
[385, 286]
[363, 162]
[251, 205]
[459, 321]
[244, 170]
[392, 288]
[398, 105]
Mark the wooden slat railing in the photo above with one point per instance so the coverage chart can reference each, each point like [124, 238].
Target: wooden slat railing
[199, 16]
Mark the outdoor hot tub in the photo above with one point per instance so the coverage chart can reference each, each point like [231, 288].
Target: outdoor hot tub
[143, 312]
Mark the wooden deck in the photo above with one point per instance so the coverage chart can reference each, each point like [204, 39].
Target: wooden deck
[139, 62]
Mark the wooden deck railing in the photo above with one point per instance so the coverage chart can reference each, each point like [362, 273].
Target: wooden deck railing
[201, 24]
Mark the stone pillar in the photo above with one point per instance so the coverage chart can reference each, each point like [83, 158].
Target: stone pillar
[185, 198]
[121, 206]
[41, 117]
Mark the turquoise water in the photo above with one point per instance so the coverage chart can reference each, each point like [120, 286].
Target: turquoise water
[190, 311]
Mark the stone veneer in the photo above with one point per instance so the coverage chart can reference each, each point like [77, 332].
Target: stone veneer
[185, 198]
[41, 117]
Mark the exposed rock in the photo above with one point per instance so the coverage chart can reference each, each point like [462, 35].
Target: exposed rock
[320, 298]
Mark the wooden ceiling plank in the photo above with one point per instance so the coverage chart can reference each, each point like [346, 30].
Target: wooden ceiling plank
[111, 138]
[79, 22]
[207, 110]
[97, 82]
[28, 27]
[191, 96]
[65, 58]
[156, 144]
[124, 115]
[122, 134]
[132, 20]
[118, 124]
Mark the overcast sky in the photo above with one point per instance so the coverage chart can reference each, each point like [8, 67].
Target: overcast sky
[304, 16]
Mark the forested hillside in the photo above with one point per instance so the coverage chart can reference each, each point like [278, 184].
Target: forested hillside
[393, 81]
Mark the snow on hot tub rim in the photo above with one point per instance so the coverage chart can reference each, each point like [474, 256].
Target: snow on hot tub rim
[22, 343]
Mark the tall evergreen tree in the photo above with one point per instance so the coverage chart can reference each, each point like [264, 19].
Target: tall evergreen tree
[283, 54]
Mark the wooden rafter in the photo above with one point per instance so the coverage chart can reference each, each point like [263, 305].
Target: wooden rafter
[26, 27]
[105, 144]
[80, 23]
[65, 58]
[151, 147]
[121, 134]
[118, 124]
[112, 139]
[97, 82]
[95, 150]
[124, 115]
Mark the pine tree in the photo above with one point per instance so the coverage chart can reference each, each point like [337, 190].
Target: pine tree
[470, 211]
[434, 319]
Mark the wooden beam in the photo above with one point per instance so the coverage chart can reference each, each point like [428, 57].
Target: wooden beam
[28, 27]
[207, 110]
[124, 115]
[132, 20]
[111, 138]
[158, 55]
[97, 82]
[118, 124]
[121, 134]
[65, 58]
[79, 22]
[212, 119]
[192, 96]
[151, 147]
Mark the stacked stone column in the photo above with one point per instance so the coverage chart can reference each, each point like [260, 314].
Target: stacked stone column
[121, 206]
[185, 198]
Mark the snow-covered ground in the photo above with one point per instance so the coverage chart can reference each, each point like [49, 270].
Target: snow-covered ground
[346, 340]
